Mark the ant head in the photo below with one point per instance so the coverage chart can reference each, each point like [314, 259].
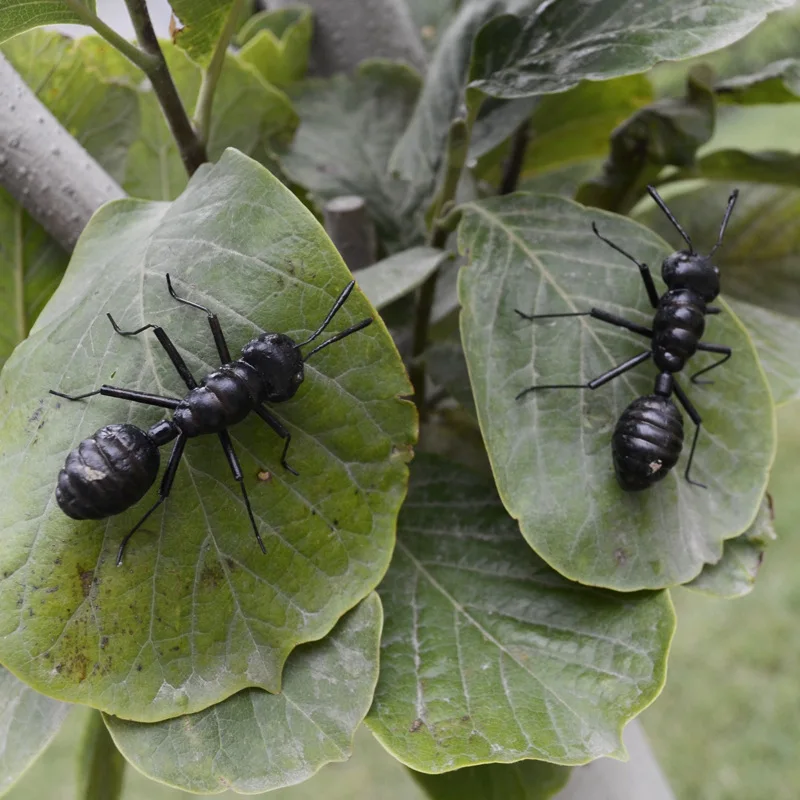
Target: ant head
[687, 270]
[279, 363]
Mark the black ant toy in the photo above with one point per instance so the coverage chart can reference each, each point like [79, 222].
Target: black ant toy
[113, 469]
[648, 438]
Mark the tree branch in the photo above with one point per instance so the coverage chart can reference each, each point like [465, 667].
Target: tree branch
[351, 230]
[192, 150]
[44, 168]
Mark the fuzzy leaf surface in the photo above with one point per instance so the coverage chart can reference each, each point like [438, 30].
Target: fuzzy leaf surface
[550, 450]
[17, 16]
[28, 723]
[196, 612]
[257, 742]
[201, 24]
[569, 41]
[397, 275]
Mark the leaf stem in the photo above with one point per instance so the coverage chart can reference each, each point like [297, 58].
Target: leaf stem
[192, 150]
[516, 159]
[205, 99]
[142, 60]
[456, 156]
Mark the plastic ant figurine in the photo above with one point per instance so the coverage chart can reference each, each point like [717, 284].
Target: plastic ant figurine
[648, 438]
[112, 470]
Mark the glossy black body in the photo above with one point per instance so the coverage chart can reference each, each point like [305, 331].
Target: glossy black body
[107, 473]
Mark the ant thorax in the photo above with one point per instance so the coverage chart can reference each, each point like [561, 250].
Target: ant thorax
[687, 270]
[278, 361]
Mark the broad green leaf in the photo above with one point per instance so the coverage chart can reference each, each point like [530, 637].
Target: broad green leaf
[734, 575]
[563, 181]
[17, 16]
[550, 451]
[248, 114]
[777, 167]
[102, 768]
[255, 741]
[201, 24]
[666, 133]
[349, 125]
[278, 51]
[778, 82]
[759, 262]
[525, 780]
[196, 613]
[777, 341]
[565, 42]
[28, 723]
[447, 368]
[488, 655]
[394, 277]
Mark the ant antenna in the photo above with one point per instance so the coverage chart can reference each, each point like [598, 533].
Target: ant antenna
[671, 217]
[184, 300]
[728, 212]
[340, 301]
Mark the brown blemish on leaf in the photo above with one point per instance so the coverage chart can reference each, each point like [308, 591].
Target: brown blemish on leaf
[103, 642]
[174, 28]
[211, 576]
[86, 576]
[621, 557]
[416, 725]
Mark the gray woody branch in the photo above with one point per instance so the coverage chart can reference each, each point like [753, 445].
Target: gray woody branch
[43, 167]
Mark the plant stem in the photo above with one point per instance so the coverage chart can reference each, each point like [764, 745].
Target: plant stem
[142, 60]
[516, 158]
[456, 156]
[205, 99]
[192, 150]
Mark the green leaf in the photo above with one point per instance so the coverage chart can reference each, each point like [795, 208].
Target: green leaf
[778, 167]
[394, 277]
[525, 780]
[197, 612]
[777, 341]
[20, 15]
[447, 368]
[734, 575]
[668, 132]
[277, 44]
[349, 125]
[490, 656]
[778, 82]
[255, 741]
[28, 723]
[550, 451]
[202, 22]
[759, 263]
[102, 767]
[566, 42]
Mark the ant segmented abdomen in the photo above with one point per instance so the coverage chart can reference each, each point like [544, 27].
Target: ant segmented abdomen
[647, 442]
[107, 473]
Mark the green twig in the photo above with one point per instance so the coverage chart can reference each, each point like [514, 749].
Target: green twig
[192, 150]
[143, 60]
[205, 99]
[516, 159]
[456, 156]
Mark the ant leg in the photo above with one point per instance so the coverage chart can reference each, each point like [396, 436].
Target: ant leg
[596, 382]
[145, 398]
[695, 417]
[711, 348]
[174, 356]
[238, 476]
[163, 492]
[712, 310]
[213, 322]
[281, 431]
[596, 313]
[644, 270]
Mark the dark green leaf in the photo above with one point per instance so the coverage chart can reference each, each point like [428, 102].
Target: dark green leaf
[778, 167]
[197, 612]
[28, 723]
[396, 276]
[488, 655]
[102, 766]
[448, 368]
[202, 22]
[550, 451]
[566, 42]
[668, 132]
[778, 82]
[734, 575]
[349, 126]
[256, 742]
[277, 44]
[525, 780]
[19, 15]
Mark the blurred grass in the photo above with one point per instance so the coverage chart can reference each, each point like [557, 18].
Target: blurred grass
[727, 726]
